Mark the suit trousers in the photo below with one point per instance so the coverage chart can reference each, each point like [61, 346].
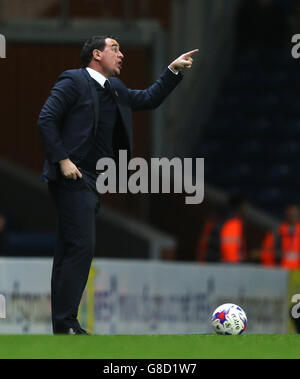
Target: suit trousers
[77, 204]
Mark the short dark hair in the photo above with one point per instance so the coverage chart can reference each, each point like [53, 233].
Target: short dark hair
[94, 42]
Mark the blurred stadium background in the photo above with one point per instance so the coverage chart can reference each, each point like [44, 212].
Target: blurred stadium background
[239, 108]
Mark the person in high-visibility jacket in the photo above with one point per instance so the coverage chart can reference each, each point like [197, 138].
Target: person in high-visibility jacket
[282, 247]
[267, 256]
[202, 249]
[232, 234]
[208, 243]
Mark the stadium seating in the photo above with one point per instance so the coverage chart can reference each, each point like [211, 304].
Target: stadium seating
[251, 141]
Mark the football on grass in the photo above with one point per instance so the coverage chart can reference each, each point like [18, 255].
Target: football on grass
[229, 319]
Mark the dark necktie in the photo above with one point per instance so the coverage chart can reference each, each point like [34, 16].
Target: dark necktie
[107, 85]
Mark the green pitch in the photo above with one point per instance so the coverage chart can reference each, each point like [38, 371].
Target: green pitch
[150, 347]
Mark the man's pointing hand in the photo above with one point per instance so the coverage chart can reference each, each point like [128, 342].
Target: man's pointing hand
[184, 61]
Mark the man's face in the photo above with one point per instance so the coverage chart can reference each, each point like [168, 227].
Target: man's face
[111, 58]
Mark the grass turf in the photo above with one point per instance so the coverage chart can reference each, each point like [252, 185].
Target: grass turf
[150, 347]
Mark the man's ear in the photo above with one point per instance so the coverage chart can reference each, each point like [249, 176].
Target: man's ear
[97, 54]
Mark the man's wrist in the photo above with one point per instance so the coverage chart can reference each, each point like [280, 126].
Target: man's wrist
[176, 72]
[63, 160]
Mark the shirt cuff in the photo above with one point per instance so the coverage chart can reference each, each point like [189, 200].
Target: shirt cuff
[175, 73]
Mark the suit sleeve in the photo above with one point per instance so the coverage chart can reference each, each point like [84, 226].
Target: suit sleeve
[63, 95]
[153, 96]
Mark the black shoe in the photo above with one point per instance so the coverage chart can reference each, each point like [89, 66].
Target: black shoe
[84, 331]
[73, 331]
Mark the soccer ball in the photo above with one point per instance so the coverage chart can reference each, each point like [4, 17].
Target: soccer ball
[229, 319]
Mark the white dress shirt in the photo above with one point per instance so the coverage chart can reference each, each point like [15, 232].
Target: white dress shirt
[101, 79]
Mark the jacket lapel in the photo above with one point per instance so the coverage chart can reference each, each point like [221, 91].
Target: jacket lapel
[122, 109]
[94, 98]
[123, 112]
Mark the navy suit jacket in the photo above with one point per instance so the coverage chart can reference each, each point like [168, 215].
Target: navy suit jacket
[70, 115]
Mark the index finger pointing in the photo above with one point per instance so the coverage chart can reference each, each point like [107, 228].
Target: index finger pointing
[191, 52]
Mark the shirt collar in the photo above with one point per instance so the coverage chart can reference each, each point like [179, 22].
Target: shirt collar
[101, 79]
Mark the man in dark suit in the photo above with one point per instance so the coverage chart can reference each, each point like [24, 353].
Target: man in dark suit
[88, 116]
